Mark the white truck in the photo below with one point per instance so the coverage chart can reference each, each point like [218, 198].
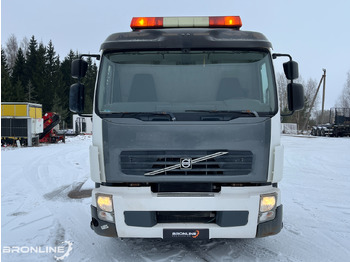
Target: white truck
[186, 130]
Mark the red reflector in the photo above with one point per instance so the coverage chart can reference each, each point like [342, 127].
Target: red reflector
[225, 21]
[146, 22]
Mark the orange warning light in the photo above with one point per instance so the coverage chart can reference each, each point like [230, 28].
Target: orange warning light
[225, 21]
[146, 22]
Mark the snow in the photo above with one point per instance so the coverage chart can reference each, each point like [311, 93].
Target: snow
[37, 212]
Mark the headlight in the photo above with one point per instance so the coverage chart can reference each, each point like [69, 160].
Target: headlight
[267, 203]
[267, 207]
[104, 202]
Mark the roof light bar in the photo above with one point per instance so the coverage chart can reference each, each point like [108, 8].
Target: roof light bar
[146, 22]
[225, 21]
[182, 22]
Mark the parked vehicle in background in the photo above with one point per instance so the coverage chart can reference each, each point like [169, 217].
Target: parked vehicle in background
[338, 126]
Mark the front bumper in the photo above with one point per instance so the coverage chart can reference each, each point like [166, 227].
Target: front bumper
[243, 201]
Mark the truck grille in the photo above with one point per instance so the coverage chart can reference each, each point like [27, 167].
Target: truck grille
[140, 162]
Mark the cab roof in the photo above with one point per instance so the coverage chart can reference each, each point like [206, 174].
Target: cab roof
[185, 38]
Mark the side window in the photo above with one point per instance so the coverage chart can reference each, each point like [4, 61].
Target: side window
[264, 83]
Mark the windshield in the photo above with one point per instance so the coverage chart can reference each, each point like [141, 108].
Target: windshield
[186, 82]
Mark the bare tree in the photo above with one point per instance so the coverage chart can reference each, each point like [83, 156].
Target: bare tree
[25, 45]
[310, 92]
[344, 99]
[282, 91]
[11, 50]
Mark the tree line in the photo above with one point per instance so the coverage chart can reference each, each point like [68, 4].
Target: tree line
[32, 72]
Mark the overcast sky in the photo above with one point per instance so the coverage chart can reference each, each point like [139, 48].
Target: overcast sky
[315, 33]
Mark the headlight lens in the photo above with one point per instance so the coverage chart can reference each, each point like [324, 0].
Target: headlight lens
[267, 216]
[106, 216]
[104, 202]
[267, 203]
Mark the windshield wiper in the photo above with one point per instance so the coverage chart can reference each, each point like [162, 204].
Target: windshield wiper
[136, 114]
[243, 112]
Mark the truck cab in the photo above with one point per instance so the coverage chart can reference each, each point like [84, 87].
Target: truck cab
[186, 130]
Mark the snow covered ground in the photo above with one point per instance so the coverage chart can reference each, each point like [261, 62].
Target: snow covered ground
[44, 205]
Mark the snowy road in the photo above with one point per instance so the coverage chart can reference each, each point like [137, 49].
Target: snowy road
[37, 212]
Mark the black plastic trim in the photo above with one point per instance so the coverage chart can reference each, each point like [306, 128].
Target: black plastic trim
[140, 218]
[151, 218]
[272, 227]
[232, 218]
[96, 224]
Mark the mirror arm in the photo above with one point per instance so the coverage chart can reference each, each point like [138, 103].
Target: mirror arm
[275, 55]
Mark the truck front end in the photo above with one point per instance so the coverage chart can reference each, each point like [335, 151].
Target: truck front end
[186, 132]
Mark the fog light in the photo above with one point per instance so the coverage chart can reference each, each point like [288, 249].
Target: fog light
[104, 202]
[267, 216]
[106, 216]
[267, 203]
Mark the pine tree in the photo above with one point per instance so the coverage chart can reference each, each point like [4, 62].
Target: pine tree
[65, 69]
[89, 82]
[53, 79]
[31, 94]
[67, 81]
[18, 77]
[19, 68]
[6, 87]
[60, 109]
[32, 58]
[33, 72]
[19, 94]
[38, 78]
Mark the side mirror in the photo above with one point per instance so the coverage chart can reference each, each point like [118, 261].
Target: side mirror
[79, 68]
[295, 96]
[291, 70]
[76, 98]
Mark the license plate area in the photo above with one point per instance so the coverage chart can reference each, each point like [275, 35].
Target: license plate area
[185, 234]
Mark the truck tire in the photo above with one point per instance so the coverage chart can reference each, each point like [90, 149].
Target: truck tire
[318, 132]
[335, 132]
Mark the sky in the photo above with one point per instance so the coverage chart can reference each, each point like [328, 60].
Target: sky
[315, 32]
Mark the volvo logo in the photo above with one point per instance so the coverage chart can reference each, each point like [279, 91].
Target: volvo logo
[186, 163]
